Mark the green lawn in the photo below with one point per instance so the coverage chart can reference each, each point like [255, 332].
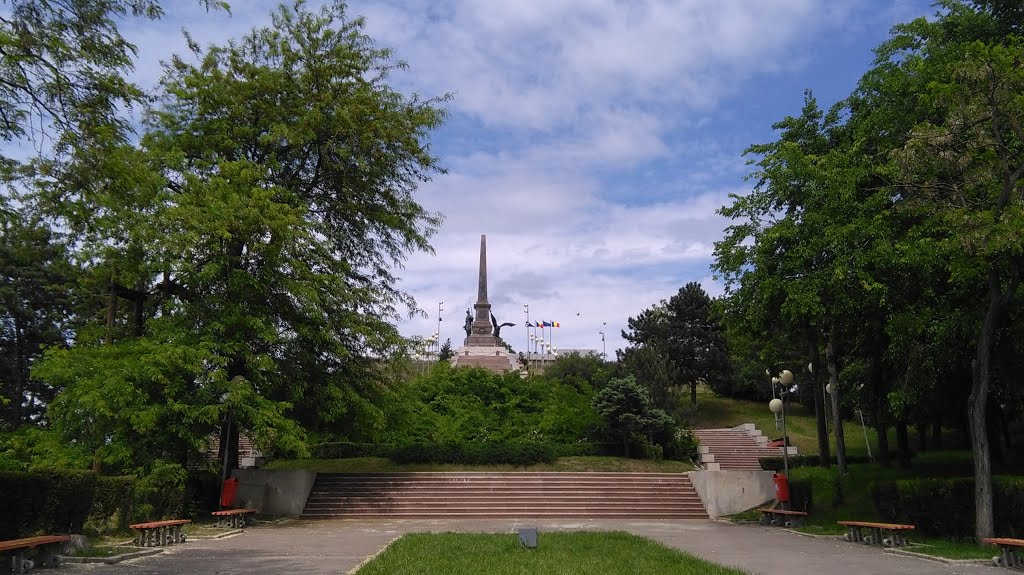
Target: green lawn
[381, 465]
[580, 553]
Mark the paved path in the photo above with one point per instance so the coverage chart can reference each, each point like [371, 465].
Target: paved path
[320, 547]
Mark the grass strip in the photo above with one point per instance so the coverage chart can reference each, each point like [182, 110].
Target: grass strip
[557, 553]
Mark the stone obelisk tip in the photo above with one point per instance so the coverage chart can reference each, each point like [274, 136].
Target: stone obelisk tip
[481, 290]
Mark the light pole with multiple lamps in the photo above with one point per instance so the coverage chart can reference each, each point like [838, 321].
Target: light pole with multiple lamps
[778, 406]
[604, 347]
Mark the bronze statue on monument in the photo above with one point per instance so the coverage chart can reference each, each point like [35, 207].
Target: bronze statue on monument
[497, 328]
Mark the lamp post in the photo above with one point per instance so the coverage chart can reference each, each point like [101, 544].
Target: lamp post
[604, 347]
[439, 310]
[778, 406]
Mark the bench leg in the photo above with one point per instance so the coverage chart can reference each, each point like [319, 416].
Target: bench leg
[19, 564]
[47, 557]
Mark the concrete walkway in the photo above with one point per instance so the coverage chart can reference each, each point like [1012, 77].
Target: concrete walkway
[320, 547]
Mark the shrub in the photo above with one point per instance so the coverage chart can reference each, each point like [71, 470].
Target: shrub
[945, 507]
[160, 493]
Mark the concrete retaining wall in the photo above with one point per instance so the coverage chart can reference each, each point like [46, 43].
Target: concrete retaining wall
[274, 492]
[728, 492]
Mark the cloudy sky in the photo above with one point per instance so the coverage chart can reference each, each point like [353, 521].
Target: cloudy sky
[590, 140]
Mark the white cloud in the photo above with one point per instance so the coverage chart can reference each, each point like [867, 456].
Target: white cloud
[588, 139]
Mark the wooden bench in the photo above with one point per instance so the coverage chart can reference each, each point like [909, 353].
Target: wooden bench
[886, 534]
[233, 518]
[46, 546]
[158, 533]
[1011, 554]
[785, 517]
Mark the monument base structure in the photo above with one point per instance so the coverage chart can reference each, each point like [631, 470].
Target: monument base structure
[496, 359]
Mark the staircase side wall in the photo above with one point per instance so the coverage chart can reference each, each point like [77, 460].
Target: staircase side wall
[728, 492]
[270, 492]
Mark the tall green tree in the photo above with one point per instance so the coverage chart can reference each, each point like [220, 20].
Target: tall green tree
[963, 162]
[686, 331]
[273, 199]
[35, 282]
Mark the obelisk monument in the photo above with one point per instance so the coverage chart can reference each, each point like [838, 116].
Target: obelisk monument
[481, 332]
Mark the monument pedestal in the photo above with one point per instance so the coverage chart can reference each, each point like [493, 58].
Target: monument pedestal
[496, 359]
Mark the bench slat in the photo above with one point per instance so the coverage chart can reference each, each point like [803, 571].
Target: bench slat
[29, 542]
[1004, 541]
[782, 512]
[226, 512]
[889, 526]
[157, 524]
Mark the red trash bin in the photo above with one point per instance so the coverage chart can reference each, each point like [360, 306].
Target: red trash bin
[781, 487]
[228, 492]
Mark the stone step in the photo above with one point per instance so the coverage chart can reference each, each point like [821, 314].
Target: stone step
[495, 494]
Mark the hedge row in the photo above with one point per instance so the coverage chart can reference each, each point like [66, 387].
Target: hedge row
[475, 453]
[801, 496]
[481, 452]
[946, 506]
[777, 464]
[54, 502]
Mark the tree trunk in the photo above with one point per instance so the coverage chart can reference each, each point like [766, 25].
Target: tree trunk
[824, 455]
[140, 308]
[903, 443]
[693, 393]
[837, 419]
[922, 437]
[882, 431]
[977, 405]
[20, 375]
[111, 311]
[937, 432]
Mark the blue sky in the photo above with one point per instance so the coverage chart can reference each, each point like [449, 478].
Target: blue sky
[592, 141]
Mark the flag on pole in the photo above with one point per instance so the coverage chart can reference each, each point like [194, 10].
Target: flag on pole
[556, 324]
[528, 324]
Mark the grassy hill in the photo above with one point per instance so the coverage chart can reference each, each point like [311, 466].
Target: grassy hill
[717, 412]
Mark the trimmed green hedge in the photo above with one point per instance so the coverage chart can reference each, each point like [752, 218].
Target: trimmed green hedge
[945, 507]
[485, 452]
[801, 496]
[345, 450]
[111, 505]
[51, 502]
[475, 453]
[777, 464]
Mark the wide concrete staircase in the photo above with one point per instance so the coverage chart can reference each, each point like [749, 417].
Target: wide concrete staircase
[737, 448]
[504, 495]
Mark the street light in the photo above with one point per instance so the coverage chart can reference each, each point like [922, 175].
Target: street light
[604, 347]
[778, 406]
[439, 310]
